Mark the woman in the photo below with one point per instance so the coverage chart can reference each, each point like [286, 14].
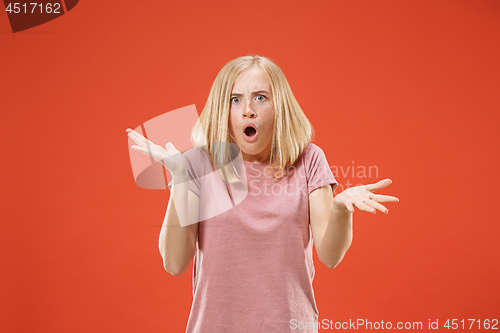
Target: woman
[249, 211]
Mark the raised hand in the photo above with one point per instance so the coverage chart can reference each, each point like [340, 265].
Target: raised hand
[170, 157]
[363, 198]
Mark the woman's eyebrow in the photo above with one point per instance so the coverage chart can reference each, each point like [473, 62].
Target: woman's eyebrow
[253, 93]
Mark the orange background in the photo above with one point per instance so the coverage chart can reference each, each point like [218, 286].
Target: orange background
[411, 87]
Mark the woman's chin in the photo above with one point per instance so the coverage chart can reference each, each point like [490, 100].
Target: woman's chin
[254, 155]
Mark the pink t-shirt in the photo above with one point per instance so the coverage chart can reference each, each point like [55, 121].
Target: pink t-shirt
[253, 265]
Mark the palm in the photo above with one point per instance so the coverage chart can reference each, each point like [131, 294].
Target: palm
[363, 197]
[170, 157]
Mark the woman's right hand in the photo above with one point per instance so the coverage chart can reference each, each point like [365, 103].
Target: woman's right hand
[170, 157]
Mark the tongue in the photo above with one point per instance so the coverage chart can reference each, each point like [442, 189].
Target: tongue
[250, 131]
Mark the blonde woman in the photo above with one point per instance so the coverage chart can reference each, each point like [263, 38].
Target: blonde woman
[250, 225]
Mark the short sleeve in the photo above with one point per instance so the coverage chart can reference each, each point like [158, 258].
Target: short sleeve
[318, 171]
[195, 166]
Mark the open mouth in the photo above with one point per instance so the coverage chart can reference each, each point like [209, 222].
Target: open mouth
[250, 132]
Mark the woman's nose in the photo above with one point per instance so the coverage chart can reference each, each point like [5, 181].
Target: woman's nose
[249, 112]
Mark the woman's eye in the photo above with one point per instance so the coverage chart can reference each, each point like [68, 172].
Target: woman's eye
[261, 98]
[235, 99]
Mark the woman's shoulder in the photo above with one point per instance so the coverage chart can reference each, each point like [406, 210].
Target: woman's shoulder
[196, 153]
[197, 158]
[311, 151]
[311, 147]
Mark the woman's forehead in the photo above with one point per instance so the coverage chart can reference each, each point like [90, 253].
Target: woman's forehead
[250, 80]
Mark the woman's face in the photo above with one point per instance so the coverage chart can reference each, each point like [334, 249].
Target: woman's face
[251, 118]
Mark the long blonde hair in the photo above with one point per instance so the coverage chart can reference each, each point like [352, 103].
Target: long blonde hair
[292, 131]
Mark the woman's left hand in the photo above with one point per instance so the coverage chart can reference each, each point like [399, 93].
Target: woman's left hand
[363, 197]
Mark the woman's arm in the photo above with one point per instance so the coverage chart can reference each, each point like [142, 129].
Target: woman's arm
[331, 218]
[331, 227]
[177, 241]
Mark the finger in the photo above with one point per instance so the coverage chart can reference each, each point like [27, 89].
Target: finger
[145, 150]
[140, 140]
[135, 133]
[379, 185]
[376, 205]
[140, 149]
[362, 206]
[349, 206]
[383, 198]
[135, 136]
[170, 146]
[135, 139]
